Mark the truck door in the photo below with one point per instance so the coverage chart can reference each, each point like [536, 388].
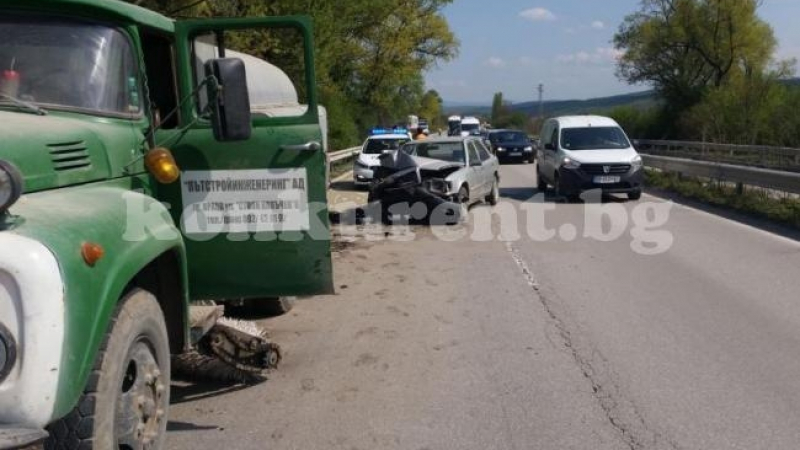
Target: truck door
[253, 212]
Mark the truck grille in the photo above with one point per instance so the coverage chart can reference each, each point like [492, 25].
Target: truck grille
[599, 169]
[69, 156]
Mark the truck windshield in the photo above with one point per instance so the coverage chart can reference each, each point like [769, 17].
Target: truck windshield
[593, 138]
[62, 64]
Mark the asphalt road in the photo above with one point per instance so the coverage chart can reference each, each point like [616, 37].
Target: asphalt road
[637, 325]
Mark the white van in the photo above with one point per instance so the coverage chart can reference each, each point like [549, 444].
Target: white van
[579, 153]
[470, 126]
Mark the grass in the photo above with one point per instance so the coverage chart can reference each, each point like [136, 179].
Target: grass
[755, 202]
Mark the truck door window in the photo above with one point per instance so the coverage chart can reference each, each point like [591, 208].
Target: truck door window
[274, 63]
[161, 80]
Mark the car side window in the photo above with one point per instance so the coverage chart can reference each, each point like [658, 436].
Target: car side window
[483, 153]
[473, 153]
[554, 138]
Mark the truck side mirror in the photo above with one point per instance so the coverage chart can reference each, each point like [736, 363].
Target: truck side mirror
[229, 99]
[549, 146]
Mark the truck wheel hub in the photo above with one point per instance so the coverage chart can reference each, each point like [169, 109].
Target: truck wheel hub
[140, 410]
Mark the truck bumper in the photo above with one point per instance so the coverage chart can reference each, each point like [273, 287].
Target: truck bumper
[32, 314]
[21, 438]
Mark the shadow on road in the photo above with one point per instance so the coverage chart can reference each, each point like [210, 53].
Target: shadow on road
[185, 392]
[185, 426]
[528, 194]
[346, 185]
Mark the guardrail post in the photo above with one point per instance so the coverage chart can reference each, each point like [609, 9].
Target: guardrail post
[739, 188]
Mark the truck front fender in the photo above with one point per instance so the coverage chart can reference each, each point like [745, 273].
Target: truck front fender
[110, 216]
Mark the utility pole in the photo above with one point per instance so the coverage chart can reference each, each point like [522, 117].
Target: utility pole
[541, 101]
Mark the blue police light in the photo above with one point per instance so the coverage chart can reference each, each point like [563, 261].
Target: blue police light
[382, 131]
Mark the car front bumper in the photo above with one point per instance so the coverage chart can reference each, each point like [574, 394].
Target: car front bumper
[577, 180]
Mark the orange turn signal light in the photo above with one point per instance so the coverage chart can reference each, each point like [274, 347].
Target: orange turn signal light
[91, 253]
[161, 164]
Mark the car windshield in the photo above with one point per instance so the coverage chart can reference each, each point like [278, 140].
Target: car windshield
[593, 138]
[376, 146]
[443, 151]
[508, 136]
[58, 63]
[471, 128]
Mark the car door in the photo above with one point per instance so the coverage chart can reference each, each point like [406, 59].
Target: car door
[476, 171]
[254, 212]
[488, 166]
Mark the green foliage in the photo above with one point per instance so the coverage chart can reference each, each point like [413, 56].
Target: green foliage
[683, 47]
[431, 109]
[370, 54]
[753, 201]
[710, 61]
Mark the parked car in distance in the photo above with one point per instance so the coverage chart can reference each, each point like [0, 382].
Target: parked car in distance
[381, 140]
[511, 145]
[580, 153]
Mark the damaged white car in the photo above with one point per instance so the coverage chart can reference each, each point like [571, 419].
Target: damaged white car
[443, 175]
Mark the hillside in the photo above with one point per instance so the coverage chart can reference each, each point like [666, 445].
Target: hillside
[641, 100]
[563, 107]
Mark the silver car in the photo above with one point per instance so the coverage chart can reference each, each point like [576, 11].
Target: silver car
[470, 172]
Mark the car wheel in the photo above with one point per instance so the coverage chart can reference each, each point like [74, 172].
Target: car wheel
[635, 195]
[562, 192]
[494, 194]
[541, 183]
[126, 399]
[463, 196]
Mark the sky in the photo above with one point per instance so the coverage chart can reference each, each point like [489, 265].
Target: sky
[511, 46]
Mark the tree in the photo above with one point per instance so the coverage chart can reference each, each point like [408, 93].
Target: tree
[498, 109]
[685, 47]
[370, 54]
[431, 109]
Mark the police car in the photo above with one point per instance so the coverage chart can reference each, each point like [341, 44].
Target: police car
[380, 141]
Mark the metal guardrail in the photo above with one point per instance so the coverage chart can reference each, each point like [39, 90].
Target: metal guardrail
[778, 158]
[741, 175]
[339, 157]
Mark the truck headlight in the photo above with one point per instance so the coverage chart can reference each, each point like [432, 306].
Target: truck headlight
[8, 352]
[501, 149]
[636, 162]
[10, 185]
[569, 163]
[528, 149]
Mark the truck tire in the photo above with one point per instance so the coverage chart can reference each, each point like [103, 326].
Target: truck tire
[125, 403]
[259, 308]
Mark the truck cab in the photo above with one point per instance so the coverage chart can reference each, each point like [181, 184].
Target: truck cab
[138, 179]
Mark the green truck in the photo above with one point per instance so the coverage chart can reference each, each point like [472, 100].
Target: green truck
[147, 175]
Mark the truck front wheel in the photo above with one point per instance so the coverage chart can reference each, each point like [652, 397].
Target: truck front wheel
[124, 405]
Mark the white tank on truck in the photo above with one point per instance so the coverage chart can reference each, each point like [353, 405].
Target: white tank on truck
[272, 92]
